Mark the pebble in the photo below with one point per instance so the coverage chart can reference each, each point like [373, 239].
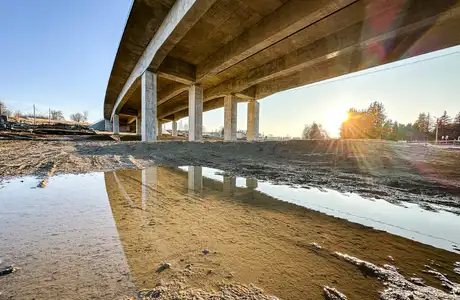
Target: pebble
[163, 267]
[317, 246]
[457, 267]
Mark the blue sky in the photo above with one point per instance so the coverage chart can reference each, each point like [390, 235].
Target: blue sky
[58, 54]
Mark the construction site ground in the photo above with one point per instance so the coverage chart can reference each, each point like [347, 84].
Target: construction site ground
[394, 171]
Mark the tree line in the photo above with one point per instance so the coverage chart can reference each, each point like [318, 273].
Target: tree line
[55, 115]
[373, 123]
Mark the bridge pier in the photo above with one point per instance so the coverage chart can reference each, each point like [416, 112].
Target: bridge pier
[195, 113]
[116, 124]
[230, 117]
[149, 106]
[174, 128]
[253, 120]
[138, 125]
[159, 128]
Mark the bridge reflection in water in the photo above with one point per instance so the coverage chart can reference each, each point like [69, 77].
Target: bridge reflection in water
[172, 215]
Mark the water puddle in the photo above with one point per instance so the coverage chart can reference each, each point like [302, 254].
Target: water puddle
[437, 228]
[104, 235]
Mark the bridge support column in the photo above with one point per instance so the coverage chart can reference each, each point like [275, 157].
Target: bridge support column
[149, 106]
[116, 124]
[230, 117]
[159, 128]
[195, 113]
[253, 120]
[174, 128]
[138, 125]
[108, 125]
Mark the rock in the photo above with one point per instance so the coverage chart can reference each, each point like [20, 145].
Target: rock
[333, 294]
[6, 270]
[457, 267]
[316, 245]
[390, 258]
[163, 267]
[205, 251]
[417, 280]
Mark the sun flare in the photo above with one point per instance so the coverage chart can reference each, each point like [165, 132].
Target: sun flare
[334, 119]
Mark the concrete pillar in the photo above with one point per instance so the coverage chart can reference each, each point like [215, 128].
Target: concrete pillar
[230, 116]
[116, 124]
[149, 184]
[138, 125]
[108, 125]
[174, 128]
[229, 185]
[159, 128]
[253, 120]
[195, 178]
[195, 113]
[149, 106]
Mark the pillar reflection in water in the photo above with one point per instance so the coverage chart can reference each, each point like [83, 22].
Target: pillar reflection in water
[195, 179]
[229, 185]
[251, 183]
[149, 184]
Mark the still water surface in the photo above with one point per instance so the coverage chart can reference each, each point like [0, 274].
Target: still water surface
[103, 235]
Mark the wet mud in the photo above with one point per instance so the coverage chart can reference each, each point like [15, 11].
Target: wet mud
[286, 250]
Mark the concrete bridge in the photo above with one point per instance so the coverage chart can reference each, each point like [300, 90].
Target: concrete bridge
[180, 58]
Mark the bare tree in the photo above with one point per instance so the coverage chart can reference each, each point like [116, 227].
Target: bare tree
[77, 117]
[57, 115]
[3, 109]
[17, 115]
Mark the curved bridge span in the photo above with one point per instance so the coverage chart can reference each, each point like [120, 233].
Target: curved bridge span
[182, 58]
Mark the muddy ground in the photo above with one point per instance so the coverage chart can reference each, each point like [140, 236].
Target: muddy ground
[396, 172]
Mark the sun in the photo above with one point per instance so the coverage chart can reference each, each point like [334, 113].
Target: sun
[334, 119]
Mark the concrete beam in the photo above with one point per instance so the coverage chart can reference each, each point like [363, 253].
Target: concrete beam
[285, 21]
[195, 115]
[171, 91]
[347, 62]
[248, 94]
[345, 41]
[182, 16]
[177, 70]
[182, 111]
[230, 117]
[149, 106]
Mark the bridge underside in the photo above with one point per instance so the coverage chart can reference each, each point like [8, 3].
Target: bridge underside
[228, 51]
